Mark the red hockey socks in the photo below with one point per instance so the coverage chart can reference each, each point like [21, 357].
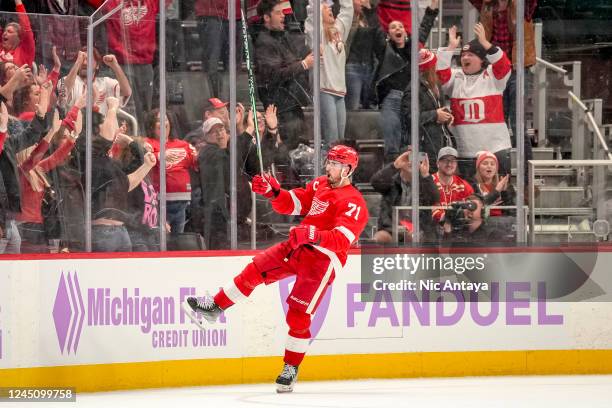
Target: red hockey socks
[239, 288]
[299, 336]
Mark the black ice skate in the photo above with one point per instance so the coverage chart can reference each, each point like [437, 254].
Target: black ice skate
[205, 308]
[286, 380]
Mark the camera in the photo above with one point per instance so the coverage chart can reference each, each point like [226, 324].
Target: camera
[455, 215]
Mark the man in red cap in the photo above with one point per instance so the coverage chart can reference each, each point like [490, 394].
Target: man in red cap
[216, 108]
[213, 108]
[335, 214]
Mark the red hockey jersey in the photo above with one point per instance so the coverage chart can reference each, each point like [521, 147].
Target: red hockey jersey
[457, 190]
[341, 211]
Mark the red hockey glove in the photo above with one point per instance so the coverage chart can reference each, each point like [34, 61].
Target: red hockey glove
[303, 234]
[266, 185]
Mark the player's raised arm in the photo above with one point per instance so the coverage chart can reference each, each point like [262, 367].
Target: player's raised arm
[293, 202]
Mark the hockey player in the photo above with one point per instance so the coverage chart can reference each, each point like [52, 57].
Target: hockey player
[335, 215]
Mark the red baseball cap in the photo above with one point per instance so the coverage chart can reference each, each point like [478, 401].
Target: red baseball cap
[214, 103]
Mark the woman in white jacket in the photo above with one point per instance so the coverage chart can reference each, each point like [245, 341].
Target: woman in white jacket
[334, 33]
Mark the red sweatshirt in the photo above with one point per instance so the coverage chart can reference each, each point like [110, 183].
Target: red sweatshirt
[180, 157]
[394, 10]
[2, 140]
[215, 8]
[24, 53]
[457, 190]
[131, 32]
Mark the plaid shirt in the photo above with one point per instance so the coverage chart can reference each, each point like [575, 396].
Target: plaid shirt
[501, 31]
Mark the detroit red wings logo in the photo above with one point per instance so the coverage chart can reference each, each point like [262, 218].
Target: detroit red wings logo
[174, 156]
[318, 207]
[133, 14]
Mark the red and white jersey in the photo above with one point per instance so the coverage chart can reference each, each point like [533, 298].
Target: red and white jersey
[342, 211]
[457, 190]
[477, 103]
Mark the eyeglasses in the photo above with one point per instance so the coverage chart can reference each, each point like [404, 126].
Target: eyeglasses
[448, 161]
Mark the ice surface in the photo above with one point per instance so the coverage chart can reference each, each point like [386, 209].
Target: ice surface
[524, 392]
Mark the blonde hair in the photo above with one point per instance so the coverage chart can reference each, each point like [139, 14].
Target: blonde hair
[331, 34]
[480, 180]
[431, 78]
[36, 176]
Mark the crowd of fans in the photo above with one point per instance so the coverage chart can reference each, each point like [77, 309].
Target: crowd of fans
[365, 51]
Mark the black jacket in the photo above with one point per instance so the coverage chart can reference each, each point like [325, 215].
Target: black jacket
[9, 185]
[508, 197]
[391, 61]
[214, 164]
[388, 183]
[361, 40]
[270, 153]
[18, 138]
[281, 78]
[432, 135]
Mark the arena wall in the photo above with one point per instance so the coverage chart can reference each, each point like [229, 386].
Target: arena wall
[106, 322]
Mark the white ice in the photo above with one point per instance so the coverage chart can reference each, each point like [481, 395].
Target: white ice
[516, 392]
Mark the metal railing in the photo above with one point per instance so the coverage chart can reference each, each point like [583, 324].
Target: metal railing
[540, 111]
[398, 208]
[594, 126]
[598, 199]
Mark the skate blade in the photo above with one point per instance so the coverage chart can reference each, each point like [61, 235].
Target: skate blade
[191, 314]
[281, 388]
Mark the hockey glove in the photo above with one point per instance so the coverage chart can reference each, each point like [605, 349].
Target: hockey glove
[303, 234]
[266, 185]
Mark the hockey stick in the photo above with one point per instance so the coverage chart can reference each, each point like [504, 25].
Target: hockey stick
[247, 55]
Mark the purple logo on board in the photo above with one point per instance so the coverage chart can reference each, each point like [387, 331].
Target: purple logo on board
[318, 318]
[68, 312]
[157, 317]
